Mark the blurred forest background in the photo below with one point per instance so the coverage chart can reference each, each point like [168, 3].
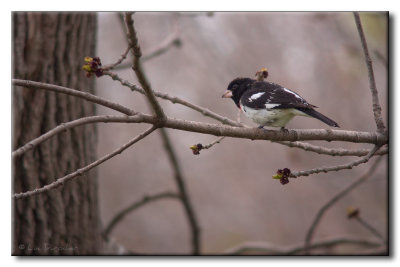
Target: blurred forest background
[318, 55]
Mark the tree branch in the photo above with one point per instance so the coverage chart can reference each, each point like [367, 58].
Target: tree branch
[137, 68]
[175, 100]
[375, 99]
[335, 199]
[125, 110]
[350, 165]
[119, 61]
[169, 42]
[61, 181]
[193, 222]
[271, 249]
[205, 112]
[68, 125]
[332, 151]
[134, 206]
[74, 92]
[218, 130]
[370, 228]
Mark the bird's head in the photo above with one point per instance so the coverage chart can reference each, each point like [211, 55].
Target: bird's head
[236, 88]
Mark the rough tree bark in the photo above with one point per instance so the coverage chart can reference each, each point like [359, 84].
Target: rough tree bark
[50, 47]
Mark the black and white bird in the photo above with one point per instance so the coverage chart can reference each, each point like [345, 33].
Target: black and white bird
[269, 104]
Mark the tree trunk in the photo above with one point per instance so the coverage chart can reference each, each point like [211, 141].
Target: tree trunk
[50, 47]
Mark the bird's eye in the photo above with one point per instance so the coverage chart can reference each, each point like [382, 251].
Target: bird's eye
[235, 86]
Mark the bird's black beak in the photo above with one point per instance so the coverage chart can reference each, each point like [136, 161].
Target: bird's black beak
[227, 94]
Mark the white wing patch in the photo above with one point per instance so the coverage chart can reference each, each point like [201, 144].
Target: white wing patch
[255, 96]
[293, 93]
[269, 106]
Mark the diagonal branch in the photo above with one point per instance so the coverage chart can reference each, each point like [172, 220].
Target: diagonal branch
[372, 85]
[192, 218]
[138, 69]
[332, 151]
[170, 41]
[349, 165]
[167, 43]
[69, 125]
[175, 100]
[119, 61]
[370, 228]
[335, 199]
[81, 171]
[134, 206]
[69, 91]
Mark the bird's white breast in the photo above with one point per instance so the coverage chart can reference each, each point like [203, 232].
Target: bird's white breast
[271, 117]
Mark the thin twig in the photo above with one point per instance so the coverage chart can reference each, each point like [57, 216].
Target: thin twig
[332, 151]
[370, 228]
[175, 100]
[335, 199]
[271, 249]
[180, 182]
[69, 125]
[119, 61]
[138, 69]
[214, 143]
[376, 107]
[173, 39]
[335, 242]
[69, 91]
[349, 165]
[134, 206]
[81, 171]
[170, 41]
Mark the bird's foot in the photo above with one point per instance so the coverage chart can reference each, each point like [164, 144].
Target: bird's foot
[283, 129]
[261, 127]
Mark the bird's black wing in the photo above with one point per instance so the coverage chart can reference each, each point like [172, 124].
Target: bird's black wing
[270, 95]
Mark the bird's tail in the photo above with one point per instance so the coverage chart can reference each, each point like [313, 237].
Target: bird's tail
[315, 114]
